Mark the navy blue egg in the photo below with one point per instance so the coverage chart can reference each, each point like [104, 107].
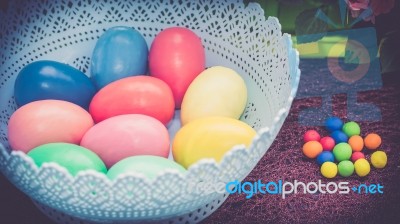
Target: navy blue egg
[339, 137]
[333, 124]
[325, 156]
[120, 52]
[42, 80]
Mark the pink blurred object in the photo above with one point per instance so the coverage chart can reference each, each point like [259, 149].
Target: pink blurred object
[128, 135]
[47, 121]
[377, 6]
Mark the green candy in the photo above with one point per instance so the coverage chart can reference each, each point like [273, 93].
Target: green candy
[73, 157]
[342, 151]
[351, 128]
[346, 168]
[149, 166]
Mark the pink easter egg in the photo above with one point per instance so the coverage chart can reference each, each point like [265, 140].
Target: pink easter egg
[128, 135]
[47, 121]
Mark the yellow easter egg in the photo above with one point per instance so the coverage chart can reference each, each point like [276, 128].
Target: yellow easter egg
[209, 137]
[217, 91]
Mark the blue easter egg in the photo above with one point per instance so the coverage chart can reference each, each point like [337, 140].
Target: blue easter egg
[325, 156]
[333, 124]
[120, 52]
[45, 80]
[339, 137]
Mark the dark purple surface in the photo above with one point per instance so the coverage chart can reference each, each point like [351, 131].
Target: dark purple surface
[285, 161]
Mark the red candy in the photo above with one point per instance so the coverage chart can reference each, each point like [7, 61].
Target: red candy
[357, 155]
[311, 135]
[327, 143]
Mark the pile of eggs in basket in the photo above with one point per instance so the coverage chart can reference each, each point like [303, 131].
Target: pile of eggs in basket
[115, 121]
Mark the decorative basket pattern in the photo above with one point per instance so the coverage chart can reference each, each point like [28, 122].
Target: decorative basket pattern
[233, 35]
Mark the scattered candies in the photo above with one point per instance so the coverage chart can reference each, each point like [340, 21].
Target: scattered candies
[372, 141]
[311, 135]
[327, 143]
[312, 149]
[351, 128]
[379, 159]
[339, 137]
[345, 145]
[325, 156]
[362, 167]
[346, 168]
[356, 142]
[333, 124]
[342, 151]
[329, 170]
[356, 156]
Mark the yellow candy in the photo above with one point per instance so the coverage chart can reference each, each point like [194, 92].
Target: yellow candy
[379, 159]
[217, 91]
[329, 169]
[209, 137]
[362, 167]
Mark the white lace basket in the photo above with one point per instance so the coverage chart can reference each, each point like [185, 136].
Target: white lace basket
[233, 35]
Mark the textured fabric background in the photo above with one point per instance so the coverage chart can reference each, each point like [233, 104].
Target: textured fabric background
[285, 161]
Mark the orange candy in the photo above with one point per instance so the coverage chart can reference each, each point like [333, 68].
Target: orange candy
[356, 142]
[312, 149]
[372, 141]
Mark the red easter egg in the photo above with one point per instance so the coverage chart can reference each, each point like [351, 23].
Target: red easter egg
[177, 56]
[311, 135]
[327, 143]
[134, 95]
[357, 155]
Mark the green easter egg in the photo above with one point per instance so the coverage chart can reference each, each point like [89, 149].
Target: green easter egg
[73, 157]
[342, 151]
[149, 166]
[346, 168]
[351, 128]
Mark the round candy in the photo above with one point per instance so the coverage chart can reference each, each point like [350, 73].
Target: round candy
[149, 166]
[333, 124]
[325, 156]
[45, 80]
[372, 141]
[362, 167]
[346, 168]
[339, 137]
[351, 128]
[127, 135]
[47, 121]
[120, 52]
[312, 149]
[356, 142]
[379, 159]
[327, 143]
[205, 97]
[329, 170]
[311, 135]
[73, 157]
[177, 57]
[342, 151]
[210, 138]
[356, 156]
[134, 95]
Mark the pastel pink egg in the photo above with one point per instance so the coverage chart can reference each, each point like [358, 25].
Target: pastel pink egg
[128, 135]
[47, 121]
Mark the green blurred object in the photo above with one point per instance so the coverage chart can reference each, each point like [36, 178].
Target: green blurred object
[73, 157]
[351, 128]
[346, 168]
[149, 166]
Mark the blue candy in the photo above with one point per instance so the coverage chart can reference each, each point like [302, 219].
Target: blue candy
[339, 136]
[333, 124]
[325, 156]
